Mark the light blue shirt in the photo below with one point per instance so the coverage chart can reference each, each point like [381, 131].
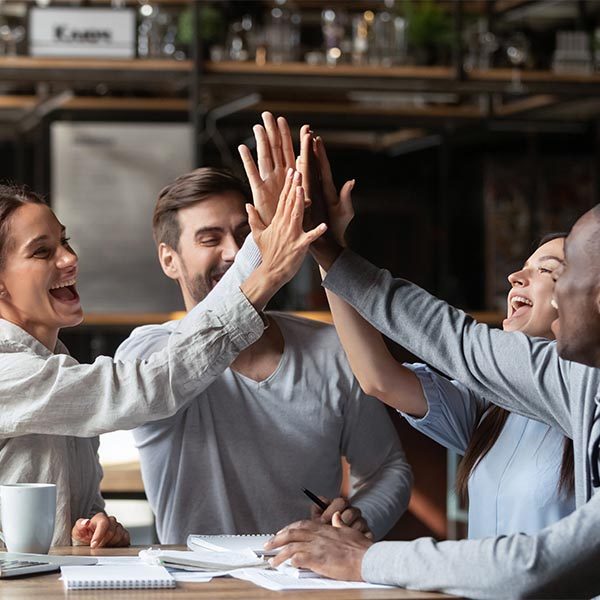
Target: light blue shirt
[514, 487]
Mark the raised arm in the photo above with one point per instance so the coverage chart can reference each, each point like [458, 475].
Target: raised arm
[380, 375]
[56, 393]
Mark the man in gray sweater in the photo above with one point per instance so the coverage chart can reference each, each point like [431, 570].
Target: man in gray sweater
[280, 419]
[556, 382]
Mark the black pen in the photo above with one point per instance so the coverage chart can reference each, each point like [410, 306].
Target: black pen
[316, 499]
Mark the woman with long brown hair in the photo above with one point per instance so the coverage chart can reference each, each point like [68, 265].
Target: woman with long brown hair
[517, 473]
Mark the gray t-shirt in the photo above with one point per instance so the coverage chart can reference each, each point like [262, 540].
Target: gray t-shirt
[236, 459]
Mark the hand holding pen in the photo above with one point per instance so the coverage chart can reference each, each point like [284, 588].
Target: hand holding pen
[323, 510]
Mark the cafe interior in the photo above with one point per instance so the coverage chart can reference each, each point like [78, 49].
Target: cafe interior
[471, 127]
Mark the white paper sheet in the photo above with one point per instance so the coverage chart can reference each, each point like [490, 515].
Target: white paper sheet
[276, 581]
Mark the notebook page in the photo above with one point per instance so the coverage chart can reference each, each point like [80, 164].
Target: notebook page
[232, 543]
[116, 577]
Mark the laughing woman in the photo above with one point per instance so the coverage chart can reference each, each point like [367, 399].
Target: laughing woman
[517, 473]
[52, 407]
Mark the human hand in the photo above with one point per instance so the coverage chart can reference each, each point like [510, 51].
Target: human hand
[100, 530]
[283, 244]
[333, 551]
[339, 207]
[275, 153]
[349, 515]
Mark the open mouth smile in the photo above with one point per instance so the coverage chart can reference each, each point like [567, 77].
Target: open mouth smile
[65, 291]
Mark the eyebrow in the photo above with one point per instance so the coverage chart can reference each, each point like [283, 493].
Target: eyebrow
[42, 238]
[551, 257]
[207, 230]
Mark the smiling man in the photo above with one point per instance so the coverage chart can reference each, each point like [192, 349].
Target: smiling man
[280, 419]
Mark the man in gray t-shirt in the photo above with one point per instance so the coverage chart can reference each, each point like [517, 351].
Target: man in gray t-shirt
[280, 419]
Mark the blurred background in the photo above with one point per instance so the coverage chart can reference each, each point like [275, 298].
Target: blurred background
[472, 128]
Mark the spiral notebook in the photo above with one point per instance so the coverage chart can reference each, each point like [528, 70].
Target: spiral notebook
[116, 577]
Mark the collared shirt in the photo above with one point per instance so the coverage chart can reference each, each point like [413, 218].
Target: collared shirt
[50, 405]
[514, 487]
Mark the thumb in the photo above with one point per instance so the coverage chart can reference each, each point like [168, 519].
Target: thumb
[254, 220]
[346, 195]
[314, 234]
[336, 521]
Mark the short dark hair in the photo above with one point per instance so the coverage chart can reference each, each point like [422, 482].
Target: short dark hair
[12, 197]
[552, 236]
[187, 190]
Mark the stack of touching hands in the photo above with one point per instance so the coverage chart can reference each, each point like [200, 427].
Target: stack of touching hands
[235, 405]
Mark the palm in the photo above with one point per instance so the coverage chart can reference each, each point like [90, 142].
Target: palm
[275, 154]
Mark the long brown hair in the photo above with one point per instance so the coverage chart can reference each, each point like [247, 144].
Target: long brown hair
[489, 428]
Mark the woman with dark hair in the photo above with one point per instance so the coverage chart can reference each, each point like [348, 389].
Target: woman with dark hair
[52, 408]
[516, 472]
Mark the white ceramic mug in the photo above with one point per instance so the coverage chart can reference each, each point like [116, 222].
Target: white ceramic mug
[27, 512]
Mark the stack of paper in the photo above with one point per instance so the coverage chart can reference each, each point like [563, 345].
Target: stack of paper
[209, 560]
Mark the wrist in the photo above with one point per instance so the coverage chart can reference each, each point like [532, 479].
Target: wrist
[260, 287]
[326, 252]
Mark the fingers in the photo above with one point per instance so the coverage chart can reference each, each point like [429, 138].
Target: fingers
[274, 137]
[254, 220]
[120, 537]
[287, 146]
[310, 237]
[104, 528]
[323, 160]
[346, 194]
[263, 150]
[352, 515]
[291, 551]
[81, 531]
[337, 504]
[250, 168]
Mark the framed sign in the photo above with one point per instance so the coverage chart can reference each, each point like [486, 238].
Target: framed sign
[82, 32]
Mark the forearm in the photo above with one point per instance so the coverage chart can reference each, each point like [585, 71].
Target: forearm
[380, 375]
[561, 561]
[59, 396]
[384, 498]
[519, 373]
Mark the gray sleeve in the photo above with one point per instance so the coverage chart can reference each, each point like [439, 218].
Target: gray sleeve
[146, 340]
[58, 395]
[380, 474]
[453, 411]
[519, 373]
[561, 561]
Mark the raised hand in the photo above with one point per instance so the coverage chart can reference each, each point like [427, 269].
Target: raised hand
[283, 243]
[349, 515]
[101, 530]
[334, 551]
[275, 153]
[339, 208]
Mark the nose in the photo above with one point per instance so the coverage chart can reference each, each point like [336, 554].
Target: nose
[518, 278]
[66, 258]
[229, 249]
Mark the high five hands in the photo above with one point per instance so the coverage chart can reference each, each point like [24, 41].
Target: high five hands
[275, 155]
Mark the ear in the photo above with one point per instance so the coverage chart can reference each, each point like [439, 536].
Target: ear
[169, 261]
[3, 292]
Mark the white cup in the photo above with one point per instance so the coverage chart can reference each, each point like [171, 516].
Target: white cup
[27, 512]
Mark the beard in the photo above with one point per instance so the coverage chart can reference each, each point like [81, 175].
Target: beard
[199, 286]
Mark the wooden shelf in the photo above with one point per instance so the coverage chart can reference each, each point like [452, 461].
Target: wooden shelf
[300, 68]
[92, 70]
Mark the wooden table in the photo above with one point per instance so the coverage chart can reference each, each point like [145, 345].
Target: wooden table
[48, 587]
